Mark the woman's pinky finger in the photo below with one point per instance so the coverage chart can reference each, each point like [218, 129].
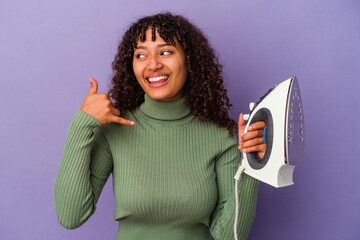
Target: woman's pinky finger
[122, 121]
[115, 111]
[257, 148]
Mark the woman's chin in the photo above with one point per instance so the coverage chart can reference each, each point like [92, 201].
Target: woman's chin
[162, 96]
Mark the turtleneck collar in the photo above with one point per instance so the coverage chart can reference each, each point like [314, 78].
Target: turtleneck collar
[165, 110]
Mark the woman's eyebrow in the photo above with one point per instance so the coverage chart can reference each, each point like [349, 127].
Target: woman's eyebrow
[158, 46]
[164, 45]
[140, 47]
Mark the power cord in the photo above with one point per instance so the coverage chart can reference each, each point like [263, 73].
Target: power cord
[237, 178]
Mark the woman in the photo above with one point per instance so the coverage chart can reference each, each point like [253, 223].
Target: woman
[167, 140]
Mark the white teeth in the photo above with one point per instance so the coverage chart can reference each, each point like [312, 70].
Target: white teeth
[155, 79]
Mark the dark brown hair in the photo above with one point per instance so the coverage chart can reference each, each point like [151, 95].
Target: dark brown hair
[204, 89]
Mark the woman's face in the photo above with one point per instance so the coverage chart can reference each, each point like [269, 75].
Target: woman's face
[160, 68]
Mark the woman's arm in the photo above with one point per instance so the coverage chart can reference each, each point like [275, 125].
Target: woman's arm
[222, 220]
[85, 167]
[87, 162]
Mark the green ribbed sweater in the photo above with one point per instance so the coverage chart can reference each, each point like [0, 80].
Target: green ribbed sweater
[173, 175]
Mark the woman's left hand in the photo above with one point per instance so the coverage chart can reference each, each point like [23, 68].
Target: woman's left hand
[252, 140]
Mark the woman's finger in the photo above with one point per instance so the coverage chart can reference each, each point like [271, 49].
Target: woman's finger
[94, 86]
[121, 120]
[257, 148]
[257, 126]
[115, 111]
[251, 135]
[241, 126]
[260, 155]
[252, 142]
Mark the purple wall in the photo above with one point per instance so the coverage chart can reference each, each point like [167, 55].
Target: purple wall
[48, 50]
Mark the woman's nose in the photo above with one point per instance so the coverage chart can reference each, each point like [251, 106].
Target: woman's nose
[154, 63]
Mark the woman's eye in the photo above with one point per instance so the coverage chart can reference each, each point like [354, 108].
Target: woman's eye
[140, 56]
[166, 52]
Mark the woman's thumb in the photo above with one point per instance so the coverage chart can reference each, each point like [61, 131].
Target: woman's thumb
[94, 86]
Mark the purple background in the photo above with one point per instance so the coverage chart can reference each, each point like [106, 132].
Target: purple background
[48, 49]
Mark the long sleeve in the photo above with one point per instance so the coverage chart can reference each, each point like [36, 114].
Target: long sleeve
[222, 219]
[84, 169]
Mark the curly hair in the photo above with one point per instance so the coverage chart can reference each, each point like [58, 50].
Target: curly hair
[204, 90]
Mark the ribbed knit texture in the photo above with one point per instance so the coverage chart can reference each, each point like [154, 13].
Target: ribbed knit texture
[173, 175]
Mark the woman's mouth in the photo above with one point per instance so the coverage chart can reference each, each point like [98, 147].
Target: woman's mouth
[158, 81]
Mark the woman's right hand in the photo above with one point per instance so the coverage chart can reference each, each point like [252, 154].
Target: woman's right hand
[253, 140]
[100, 107]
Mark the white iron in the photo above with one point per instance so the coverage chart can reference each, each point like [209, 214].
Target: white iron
[281, 109]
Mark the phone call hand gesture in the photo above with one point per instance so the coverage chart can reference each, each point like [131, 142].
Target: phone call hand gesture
[100, 107]
[252, 140]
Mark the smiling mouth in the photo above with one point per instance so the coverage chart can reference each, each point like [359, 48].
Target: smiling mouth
[163, 78]
[158, 81]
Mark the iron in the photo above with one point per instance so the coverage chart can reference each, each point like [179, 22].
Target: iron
[282, 110]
